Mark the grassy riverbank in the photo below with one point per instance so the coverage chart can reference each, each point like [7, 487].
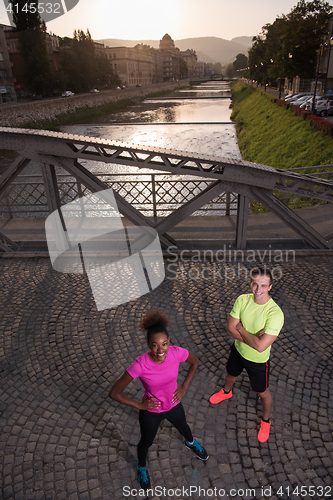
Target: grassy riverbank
[271, 135]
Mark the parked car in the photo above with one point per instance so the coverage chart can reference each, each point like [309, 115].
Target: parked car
[297, 96]
[300, 101]
[305, 102]
[289, 96]
[319, 99]
[67, 93]
[94, 91]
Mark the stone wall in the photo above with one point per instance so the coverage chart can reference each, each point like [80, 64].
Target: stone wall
[20, 114]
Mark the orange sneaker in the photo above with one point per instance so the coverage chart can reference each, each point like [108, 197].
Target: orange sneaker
[264, 431]
[220, 396]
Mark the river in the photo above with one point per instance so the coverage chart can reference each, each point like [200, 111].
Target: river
[194, 120]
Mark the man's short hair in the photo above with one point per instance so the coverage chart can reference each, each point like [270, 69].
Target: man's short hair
[262, 271]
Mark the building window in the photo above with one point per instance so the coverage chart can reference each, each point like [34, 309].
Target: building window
[1, 56]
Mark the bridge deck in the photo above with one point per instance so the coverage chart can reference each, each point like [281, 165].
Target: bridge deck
[202, 232]
[249, 180]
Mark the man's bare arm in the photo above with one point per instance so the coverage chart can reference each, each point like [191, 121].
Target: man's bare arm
[260, 342]
[232, 324]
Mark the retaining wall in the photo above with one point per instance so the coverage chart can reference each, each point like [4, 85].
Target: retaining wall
[19, 114]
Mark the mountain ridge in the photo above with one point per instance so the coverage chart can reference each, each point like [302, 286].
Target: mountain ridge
[209, 49]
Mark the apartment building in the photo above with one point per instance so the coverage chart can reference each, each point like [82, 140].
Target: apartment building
[190, 57]
[139, 65]
[7, 84]
[201, 68]
[171, 56]
[326, 58]
[17, 61]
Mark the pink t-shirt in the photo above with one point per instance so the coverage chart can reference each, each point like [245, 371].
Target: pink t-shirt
[159, 379]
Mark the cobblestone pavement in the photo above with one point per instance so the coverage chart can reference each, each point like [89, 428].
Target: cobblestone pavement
[63, 438]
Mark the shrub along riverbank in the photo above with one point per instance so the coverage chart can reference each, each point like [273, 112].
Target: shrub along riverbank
[272, 135]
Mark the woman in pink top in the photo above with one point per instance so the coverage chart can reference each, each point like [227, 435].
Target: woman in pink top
[158, 372]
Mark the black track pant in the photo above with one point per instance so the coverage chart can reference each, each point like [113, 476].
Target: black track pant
[150, 422]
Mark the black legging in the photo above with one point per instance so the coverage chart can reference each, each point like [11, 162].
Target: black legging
[150, 422]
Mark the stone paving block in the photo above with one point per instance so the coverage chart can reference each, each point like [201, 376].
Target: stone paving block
[225, 469]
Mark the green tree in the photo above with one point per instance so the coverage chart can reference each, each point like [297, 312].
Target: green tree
[289, 46]
[240, 64]
[257, 60]
[306, 28]
[230, 70]
[81, 68]
[276, 49]
[32, 42]
[105, 76]
[183, 69]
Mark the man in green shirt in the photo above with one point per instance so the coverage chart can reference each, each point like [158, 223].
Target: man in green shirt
[254, 322]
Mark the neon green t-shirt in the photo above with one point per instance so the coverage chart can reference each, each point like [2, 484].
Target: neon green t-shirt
[254, 318]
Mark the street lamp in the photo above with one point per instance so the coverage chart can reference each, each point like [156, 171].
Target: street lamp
[280, 82]
[316, 81]
[330, 44]
[281, 74]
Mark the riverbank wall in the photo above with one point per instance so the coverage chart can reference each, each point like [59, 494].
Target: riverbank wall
[40, 114]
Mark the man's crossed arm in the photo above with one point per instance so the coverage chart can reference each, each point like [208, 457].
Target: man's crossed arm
[237, 331]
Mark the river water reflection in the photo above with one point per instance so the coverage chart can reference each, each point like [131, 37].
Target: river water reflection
[194, 125]
[193, 120]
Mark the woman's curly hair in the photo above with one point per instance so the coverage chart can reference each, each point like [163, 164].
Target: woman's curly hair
[154, 322]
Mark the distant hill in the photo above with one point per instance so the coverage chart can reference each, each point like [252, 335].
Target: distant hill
[213, 49]
[209, 49]
[246, 41]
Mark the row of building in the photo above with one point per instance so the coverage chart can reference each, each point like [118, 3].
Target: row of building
[140, 65]
[143, 64]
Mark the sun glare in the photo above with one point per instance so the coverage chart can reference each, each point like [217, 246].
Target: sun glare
[144, 19]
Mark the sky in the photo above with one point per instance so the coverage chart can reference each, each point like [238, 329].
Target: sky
[151, 19]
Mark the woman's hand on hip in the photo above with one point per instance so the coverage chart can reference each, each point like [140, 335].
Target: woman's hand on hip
[149, 403]
[178, 394]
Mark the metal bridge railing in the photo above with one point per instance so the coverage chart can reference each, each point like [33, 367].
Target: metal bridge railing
[153, 194]
[289, 199]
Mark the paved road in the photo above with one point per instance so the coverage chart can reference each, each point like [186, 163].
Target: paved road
[62, 438]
